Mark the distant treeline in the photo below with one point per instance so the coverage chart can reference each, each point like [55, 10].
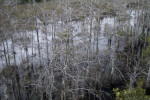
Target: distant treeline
[30, 1]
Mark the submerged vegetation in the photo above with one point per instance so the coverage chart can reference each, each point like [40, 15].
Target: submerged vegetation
[74, 50]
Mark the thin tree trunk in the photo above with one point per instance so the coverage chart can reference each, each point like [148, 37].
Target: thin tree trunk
[37, 33]
[5, 52]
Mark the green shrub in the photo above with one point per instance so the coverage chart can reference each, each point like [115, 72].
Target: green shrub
[137, 93]
[146, 52]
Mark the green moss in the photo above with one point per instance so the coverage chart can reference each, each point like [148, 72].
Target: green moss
[108, 9]
[121, 33]
[59, 11]
[75, 4]
[63, 35]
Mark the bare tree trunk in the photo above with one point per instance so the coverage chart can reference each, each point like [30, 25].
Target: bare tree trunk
[8, 52]
[37, 33]
[5, 52]
[14, 53]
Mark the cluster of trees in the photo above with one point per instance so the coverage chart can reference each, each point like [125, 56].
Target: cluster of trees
[74, 49]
